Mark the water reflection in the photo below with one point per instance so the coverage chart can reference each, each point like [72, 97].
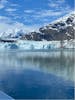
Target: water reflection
[37, 75]
[29, 84]
[60, 63]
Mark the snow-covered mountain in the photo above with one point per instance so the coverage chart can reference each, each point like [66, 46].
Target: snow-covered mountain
[61, 29]
[12, 33]
[58, 34]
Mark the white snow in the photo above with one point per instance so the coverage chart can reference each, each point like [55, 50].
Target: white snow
[64, 18]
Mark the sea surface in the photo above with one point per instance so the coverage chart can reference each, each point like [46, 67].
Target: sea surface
[38, 74]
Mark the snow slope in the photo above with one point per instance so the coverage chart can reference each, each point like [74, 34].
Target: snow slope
[55, 26]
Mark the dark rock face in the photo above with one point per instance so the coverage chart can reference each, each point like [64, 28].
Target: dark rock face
[33, 36]
[63, 29]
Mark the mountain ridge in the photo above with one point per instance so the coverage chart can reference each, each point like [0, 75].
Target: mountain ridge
[61, 29]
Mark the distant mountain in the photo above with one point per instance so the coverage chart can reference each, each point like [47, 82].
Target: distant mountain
[62, 29]
[13, 34]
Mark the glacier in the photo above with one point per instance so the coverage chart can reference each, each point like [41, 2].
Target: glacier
[37, 45]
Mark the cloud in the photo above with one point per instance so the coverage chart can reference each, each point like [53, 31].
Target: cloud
[3, 3]
[56, 8]
[10, 9]
[30, 17]
[12, 12]
[8, 25]
[29, 11]
[4, 19]
[14, 5]
[47, 13]
[1, 6]
[59, 5]
[6, 3]
[56, 3]
[42, 14]
[14, 27]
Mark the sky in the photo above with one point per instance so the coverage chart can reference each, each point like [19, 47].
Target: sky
[29, 15]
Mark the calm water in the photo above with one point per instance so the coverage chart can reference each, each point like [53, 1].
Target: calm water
[37, 74]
